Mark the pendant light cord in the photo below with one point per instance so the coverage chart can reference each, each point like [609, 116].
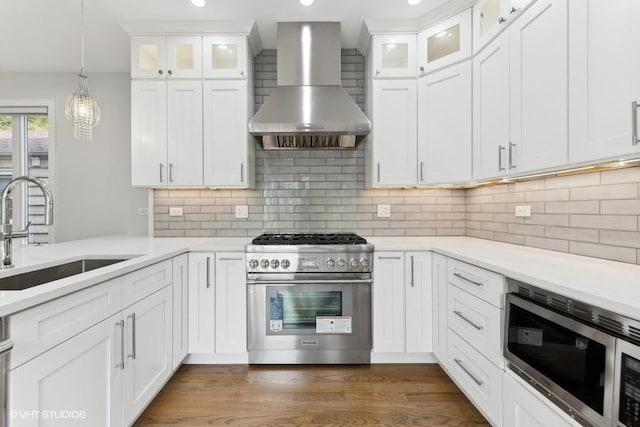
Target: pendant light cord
[82, 38]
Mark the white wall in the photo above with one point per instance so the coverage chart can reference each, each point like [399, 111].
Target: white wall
[93, 194]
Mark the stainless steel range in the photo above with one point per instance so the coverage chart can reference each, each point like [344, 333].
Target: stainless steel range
[309, 298]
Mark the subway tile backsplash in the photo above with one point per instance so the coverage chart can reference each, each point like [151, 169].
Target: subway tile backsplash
[595, 214]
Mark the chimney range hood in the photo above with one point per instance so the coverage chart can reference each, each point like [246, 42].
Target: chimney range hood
[308, 108]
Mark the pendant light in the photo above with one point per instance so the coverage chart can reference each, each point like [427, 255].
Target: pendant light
[81, 107]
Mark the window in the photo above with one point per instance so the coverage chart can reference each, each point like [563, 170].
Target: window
[24, 150]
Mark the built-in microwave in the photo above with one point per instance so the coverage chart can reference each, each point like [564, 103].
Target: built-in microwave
[584, 359]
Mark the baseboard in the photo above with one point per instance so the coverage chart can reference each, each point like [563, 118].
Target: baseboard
[217, 359]
[403, 358]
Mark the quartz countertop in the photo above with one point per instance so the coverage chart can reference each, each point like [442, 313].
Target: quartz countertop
[611, 285]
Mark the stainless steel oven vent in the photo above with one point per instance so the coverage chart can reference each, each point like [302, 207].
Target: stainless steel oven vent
[287, 142]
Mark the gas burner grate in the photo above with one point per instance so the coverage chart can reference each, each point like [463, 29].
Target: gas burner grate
[309, 239]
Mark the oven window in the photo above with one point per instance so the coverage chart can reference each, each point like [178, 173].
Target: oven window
[300, 308]
[574, 362]
[630, 391]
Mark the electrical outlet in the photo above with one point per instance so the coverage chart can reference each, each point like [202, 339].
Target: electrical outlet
[175, 211]
[384, 211]
[143, 211]
[242, 211]
[523, 211]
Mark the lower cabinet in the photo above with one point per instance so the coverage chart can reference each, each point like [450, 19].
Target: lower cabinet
[402, 303]
[201, 302]
[180, 309]
[521, 407]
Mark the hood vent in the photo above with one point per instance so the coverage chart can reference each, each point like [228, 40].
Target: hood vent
[308, 108]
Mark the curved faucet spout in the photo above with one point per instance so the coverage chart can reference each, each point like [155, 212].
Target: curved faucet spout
[4, 198]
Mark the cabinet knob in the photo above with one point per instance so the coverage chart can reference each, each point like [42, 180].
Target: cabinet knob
[513, 10]
[242, 72]
[422, 69]
[170, 72]
[160, 72]
[501, 20]
[377, 72]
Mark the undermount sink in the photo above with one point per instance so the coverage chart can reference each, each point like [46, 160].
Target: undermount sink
[30, 279]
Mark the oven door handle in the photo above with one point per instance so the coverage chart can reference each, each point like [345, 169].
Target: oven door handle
[310, 282]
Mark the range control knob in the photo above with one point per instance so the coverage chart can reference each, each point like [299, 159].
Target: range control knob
[331, 264]
[253, 264]
[341, 263]
[354, 263]
[364, 263]
[285, 263]
[275, 263]
[264, 263]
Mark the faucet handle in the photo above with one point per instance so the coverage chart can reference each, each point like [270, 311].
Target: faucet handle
[25, 229]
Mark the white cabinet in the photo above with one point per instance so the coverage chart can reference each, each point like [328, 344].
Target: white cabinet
[148, 351]
[491, 109]
[161, 57]
[490, 17]
[401, 302]
[225, 57]
[603, 79]
[201, 302]
[439, 314]
[393, 140]
[180, 309]
[230, 303]
[80, 375]
[226, 140]
[445, 43]
[524, 407]
[539, 101]
[166, 133]
[444, 125]
[394, 56]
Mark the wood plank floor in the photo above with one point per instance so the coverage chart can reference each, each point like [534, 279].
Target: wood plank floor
[326, 395]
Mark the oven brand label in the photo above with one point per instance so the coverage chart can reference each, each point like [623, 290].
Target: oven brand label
[333, 324]
[276, 313]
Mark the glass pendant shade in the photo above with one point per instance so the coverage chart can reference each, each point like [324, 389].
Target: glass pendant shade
[82, 110]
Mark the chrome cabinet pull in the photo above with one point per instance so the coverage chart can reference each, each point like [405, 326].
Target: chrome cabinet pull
[501, 148]
[634, 123]
[242, 72]
[511, 149]
[501, 20]
[6, 346]
[160, 72]
[377, 72]
[208, 272]
[230, 259]
[421, 171]
[513, 10]
[241, 172]
[378, 172]
[389, 257]
[170, 172]
[466, 371]
[161, 172]
[466, 319]
[466, 279]
[412, 278]
[132, 316]
[170, 72]
[121, 364]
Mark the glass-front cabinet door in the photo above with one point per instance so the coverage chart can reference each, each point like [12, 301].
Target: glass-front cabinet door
[224, 57]
[445, 43]
[394, 56]
[148, 57]
[490, 17]
[184, 57]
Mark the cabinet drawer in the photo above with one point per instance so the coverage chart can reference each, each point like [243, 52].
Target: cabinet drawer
[144, 282]
[477, 322]
[40, 328]
[482, 283]
[480, 379]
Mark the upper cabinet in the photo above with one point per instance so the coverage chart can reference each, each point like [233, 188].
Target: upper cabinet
[445, 43]
[604, 79]
[165, 57]
[490, 17]
[225, 57]
[394, 56]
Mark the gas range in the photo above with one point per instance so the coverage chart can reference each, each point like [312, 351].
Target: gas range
[309, 253]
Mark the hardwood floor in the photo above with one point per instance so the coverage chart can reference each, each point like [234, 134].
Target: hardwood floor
[326, 395]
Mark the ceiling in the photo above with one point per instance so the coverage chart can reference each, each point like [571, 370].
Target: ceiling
[44, 35]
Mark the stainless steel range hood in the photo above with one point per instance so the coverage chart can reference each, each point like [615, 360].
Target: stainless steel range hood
[309, 108]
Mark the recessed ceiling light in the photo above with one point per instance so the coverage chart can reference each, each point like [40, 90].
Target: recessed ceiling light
[306, 2]
[414, 2]
[199, 3]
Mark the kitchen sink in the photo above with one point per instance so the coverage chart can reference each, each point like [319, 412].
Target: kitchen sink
[30, 279]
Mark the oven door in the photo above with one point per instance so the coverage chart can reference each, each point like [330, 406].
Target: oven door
[313, 314]
[572, 363]
[626, 402]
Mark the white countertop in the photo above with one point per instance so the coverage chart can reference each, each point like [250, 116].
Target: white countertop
[611, 285]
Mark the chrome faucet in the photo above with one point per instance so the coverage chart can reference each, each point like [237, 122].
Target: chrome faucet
[6, 227]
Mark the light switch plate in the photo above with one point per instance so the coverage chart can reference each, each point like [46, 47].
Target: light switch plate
[143, 211]
[384, 211]
[523, 211]
[242, 211]
[175, 211]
